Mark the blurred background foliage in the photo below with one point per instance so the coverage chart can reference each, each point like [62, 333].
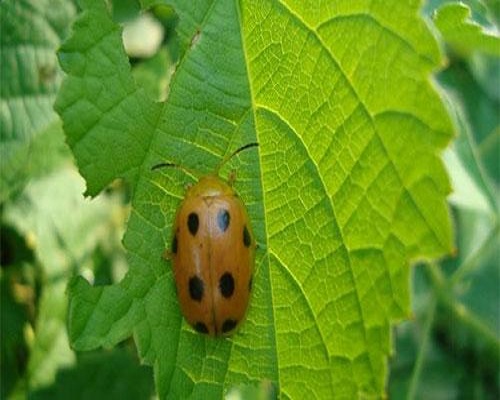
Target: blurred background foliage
[450, 349]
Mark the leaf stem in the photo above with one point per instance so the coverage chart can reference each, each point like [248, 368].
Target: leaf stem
[417, 369]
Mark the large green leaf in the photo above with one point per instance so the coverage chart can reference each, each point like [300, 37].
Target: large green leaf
[346, 188]
[31, 143]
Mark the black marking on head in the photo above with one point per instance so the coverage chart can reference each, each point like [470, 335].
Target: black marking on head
[196, 288]
[247, 240]
[200, 327]
[226, 285]
[174, 244]
[223, 219]
[250, 282]
[228, 325]
[193, 223]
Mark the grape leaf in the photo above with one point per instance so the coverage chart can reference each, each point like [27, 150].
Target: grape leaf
[345, 189]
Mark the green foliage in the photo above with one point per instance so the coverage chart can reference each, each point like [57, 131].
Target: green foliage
[452, 348]
[345, 190]
[48, 232]
[63, 230]
[17, 298]
[103, 375]
[463, 34]
[32, 142]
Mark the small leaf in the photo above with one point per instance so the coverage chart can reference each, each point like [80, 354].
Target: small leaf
[346, 187]
[465, 35]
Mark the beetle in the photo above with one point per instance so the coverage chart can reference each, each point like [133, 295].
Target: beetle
[213, 253]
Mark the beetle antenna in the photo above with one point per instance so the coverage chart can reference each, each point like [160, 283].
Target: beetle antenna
[227, 158]
[165, 164]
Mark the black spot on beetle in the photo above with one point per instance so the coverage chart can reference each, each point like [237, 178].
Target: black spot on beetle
[196, 288]
[229, 325]
[247, 240]
[174, 244]
[223, 218]
[226, 285]
[200, 327]
[193, 223]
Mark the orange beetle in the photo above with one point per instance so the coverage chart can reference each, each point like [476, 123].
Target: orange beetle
[213, 254]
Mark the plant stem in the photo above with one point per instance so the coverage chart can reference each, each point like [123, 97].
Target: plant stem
[417, 369]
